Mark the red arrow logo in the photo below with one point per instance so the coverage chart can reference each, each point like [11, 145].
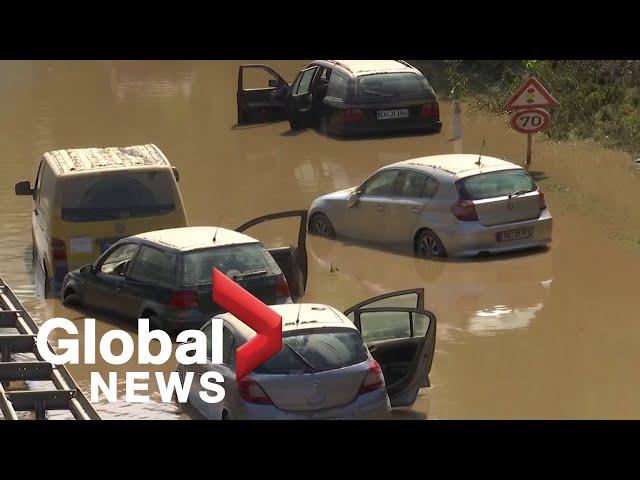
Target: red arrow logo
[251, 311]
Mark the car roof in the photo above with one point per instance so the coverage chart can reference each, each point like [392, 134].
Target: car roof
[193, 238]
[83, 160]
[457, 165]
[311, 315]
[370, 67]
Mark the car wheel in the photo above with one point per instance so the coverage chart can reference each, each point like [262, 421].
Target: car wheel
[321, 225]
[429, 245]
[72, 299]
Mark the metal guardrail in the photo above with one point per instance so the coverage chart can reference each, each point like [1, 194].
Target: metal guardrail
[65, 396]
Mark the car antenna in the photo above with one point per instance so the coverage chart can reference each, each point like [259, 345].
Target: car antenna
[215, 234]
[479, 162]
[298, 316]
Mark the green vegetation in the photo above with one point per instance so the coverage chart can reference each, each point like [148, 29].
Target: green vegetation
[598, 99]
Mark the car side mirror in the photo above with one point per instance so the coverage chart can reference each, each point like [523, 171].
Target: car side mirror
[24, 188]
[176, 173]
[353, 198]
[274, 83]
[87, 270]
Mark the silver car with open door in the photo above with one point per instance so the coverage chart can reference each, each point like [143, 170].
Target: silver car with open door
[332, 365]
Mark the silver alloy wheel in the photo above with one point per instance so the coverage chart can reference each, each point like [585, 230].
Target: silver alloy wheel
[321, 226]
[429, 247]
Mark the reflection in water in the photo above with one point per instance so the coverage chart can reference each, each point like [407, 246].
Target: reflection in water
[508, 344]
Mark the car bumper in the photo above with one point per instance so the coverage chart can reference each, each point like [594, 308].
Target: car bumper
[177, 323]
[370, 406]
[387, 126]
[472, 238]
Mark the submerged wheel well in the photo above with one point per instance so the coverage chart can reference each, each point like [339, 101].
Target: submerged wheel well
[68, 291]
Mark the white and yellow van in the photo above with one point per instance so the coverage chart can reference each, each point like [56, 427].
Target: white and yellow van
[87, 199]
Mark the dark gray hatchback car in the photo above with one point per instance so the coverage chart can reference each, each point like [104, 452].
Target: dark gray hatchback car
[344, 97]
[165, 275]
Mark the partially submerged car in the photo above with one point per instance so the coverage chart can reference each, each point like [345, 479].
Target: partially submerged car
[344, 97]
[438, 206]
[165, 275]
[333, 365]
[84, 200]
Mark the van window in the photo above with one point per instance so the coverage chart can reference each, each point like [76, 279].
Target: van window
[46, 189]
[154, 266]
[116, 196]
[386, 87]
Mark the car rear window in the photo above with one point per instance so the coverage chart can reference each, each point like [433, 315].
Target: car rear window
[322, 350]
[386, 87]
[232, 260]
[495, 184]
[117, 196]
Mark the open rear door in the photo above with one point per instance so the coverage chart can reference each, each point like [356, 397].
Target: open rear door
[300, 99]
[292, 259]
[265, 103]
[401, 339]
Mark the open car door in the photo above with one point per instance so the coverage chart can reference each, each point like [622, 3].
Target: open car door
[264, 104]
[401, 336]
[300, 101]
[292, 260]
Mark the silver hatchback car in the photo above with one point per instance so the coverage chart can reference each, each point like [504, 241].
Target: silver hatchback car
[333, 365]
[442, 205]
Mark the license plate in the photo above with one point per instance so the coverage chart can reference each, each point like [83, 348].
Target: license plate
[516, 234]
[391, 114]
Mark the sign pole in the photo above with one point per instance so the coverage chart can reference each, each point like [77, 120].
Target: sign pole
[528, 149]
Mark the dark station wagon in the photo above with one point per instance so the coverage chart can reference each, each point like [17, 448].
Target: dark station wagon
[165, 275]
[344, 97]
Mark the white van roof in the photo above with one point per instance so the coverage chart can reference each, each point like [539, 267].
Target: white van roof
[78, 160]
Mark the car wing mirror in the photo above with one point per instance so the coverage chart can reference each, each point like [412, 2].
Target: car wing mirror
[24, 188]
[274, 83]
[353, 198]
[176, 173]
[87, 269]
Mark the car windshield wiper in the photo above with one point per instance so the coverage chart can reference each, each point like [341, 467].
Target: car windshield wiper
[251, 273]
[519, 192]
[381, 94]
[300, 356]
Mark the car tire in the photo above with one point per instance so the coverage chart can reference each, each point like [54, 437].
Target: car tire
[428, 245]
[72, 300]
[321, 226]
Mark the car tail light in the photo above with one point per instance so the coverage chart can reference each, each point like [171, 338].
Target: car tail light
[282, 287]
[252, 392]
[353, 115]
[430, 110]
[58, 249]
[184, 300]
[373, 380]
[465, 210]
[542, 203]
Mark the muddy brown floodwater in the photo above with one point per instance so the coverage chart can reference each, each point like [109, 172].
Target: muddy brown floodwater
[551, 334]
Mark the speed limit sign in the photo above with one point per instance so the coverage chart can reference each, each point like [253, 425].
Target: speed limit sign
[531, 120]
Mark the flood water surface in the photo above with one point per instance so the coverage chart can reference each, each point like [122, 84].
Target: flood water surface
[544, 334]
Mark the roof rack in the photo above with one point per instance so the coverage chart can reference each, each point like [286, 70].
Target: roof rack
[65, 396]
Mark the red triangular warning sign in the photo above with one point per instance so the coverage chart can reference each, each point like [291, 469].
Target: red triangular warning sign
[531, 95]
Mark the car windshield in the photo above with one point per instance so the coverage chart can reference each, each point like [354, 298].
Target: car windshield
[385, 87]
[116, 196]
[495, 184]
[316, 352]
[249, 259]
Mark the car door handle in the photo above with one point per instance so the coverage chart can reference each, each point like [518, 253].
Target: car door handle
[380, 208]
[414, 209]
